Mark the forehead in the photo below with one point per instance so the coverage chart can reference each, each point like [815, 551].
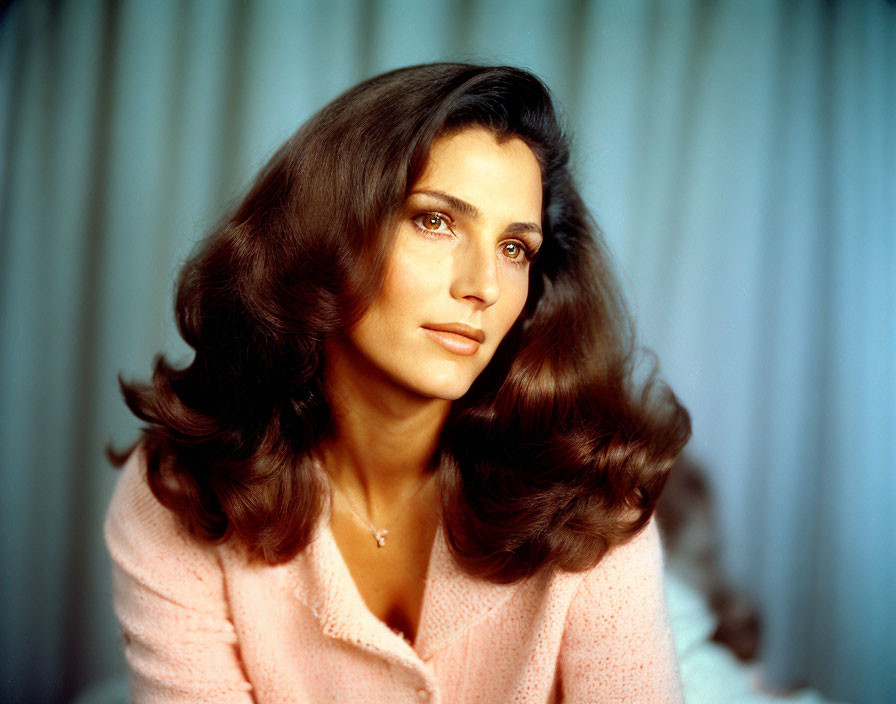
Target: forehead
[473, 165]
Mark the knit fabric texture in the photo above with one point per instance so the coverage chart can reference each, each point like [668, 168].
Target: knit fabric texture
[200, 623]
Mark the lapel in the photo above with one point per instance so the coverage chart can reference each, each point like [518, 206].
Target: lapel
[453, 601]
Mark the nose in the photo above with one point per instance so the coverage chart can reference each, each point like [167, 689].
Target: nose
[476, 273]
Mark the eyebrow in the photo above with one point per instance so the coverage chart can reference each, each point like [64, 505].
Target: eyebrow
[471, 211]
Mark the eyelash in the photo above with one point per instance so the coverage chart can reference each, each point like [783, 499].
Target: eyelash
[528, 257]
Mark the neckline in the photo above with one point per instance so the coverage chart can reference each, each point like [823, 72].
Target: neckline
[453, 601]
[344, 576]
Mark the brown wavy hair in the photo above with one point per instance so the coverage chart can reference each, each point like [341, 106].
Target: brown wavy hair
[553, 456]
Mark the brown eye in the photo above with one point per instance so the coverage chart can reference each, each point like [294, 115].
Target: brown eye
[432, 221]
[513, 250]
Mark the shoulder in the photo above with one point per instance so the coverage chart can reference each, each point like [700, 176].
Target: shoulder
[617, 638]
[147, 540]
[134, 511]
[626, 586]
[169, 595]
[630, 562]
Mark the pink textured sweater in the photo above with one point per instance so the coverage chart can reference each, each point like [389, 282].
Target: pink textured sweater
[202, 625]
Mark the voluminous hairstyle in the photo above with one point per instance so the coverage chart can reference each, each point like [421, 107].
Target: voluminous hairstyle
[554, 455]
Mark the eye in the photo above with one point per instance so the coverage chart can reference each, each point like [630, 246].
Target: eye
[519, 253]
[432, 222]
[515, 251]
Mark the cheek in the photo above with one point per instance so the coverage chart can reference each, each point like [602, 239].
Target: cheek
[410, 282]
[516, 293]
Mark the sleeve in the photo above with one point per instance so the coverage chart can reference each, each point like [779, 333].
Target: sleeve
[617, 645]
[170, 600]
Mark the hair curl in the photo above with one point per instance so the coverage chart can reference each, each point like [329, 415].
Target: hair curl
[553, 456]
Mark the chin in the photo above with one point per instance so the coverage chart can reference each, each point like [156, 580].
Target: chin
[447, 392]
[448, 388]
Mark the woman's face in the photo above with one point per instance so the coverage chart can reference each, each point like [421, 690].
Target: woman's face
[460, 258]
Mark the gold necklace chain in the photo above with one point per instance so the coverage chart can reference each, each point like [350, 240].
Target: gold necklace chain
[379, 534]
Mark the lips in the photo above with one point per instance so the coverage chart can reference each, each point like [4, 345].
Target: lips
[459, 329]
[459, 339]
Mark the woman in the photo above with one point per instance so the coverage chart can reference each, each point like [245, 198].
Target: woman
[409, 460]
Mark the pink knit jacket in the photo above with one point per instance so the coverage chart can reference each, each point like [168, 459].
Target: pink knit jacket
[201, 624]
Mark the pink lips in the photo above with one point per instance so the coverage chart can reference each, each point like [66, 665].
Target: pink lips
[454, 342]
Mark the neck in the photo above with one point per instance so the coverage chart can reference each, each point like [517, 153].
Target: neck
[385, 440]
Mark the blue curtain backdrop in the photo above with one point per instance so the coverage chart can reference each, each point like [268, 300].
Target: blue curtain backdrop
[739, 155]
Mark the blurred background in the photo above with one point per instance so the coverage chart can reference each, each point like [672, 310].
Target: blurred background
[740, 156]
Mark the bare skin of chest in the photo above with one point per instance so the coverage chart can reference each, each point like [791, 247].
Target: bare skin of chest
[392, 578]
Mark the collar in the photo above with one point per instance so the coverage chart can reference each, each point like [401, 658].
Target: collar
[453, 601]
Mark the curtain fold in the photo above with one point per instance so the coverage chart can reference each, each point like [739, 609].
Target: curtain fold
[740, 157]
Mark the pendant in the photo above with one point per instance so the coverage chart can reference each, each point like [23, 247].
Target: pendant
[380, 536]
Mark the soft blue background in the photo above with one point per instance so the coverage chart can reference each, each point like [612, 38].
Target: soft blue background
[739, 155]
